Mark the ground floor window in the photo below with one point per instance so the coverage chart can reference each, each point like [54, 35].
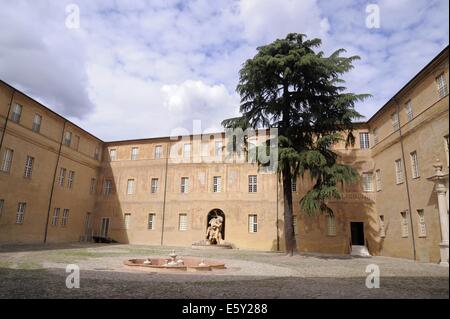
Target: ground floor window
[404, 224]
[422, 226]
[331, 225]
[21, 213]
[151, 221]
[182, 222]
[253, 223]
[126, 221]
[65, 218]
[382, 227]
[55, 216]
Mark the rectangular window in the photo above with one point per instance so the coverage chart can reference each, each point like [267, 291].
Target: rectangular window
[376, 136]
[76, 142]
[446, 148]
[107, 187]
[62, 176]
[155, 185]
[126, 221]
[399, 171]
[404, 224]
[151, 221]
[93, 186]
[382, 227]
[409, 110]
[158, 151]
[252, 223]
[187, 151]
[97, 154]
[37, 123]
[134, 153]
[182, 222]
[442, 85]
[367, 182]
[364, 140]
[331, 225]
[218, 148]
[252, 184]
[295, 224]
[7, 160]
[17, 113]
[113, 154]
[65, 218]
[422, 226]
[217, 184]
[185, 185]
[70, 179]
[394, 120]
[414, 165]
[87, 222]
[378, 182]
[55, 216]
[294, 185]
[28, 167]
[130, 186]
[67, 138]
[21, 213]
[2, 204]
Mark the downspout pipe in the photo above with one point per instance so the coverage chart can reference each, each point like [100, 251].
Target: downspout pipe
[165, 194]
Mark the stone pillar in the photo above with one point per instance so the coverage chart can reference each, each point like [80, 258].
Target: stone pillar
[440, 187]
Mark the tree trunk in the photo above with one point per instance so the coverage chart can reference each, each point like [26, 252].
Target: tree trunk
[289, 235]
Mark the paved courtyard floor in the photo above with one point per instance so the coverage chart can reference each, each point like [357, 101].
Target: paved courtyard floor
[37, 271]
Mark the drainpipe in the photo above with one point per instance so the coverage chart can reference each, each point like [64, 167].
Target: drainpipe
[53, 183]
[165, 194]
[406, 180]
[7, 118]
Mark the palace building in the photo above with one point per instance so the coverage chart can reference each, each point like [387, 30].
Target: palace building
[59, 183]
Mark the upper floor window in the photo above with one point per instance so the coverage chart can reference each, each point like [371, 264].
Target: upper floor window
[158, 151]
[364, 140]
[252, 184]
[414, 165]
[130, 186]
[442, 85]
[155, 185]
[7, 160]
[394, 120]
[70, 179]
[20, 216]
[62, 176]
[134, 153]
[76, 142]
[376, 136]
[107, 187]
[93, 186]
[37, 123]
[187, 150]
[97, 153]
[67, 138]
[28, 167]
[185, 184]
[409, 110]
[378, 181]
[17, 113]
[367, 182]
[218, 148]
[399, 178]
[113, 154]
[217, 184]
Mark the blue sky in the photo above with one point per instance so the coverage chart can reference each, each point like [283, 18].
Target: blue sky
[137, 69]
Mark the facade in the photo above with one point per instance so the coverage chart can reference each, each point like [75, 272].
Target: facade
[58, 183]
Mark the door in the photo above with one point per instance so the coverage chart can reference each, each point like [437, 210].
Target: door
[357, 230]
[104, 228]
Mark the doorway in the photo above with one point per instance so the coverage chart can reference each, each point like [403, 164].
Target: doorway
[217, 213]
[104, 227]
[357, 232]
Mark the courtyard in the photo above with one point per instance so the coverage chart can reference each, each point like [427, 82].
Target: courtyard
[38, 271]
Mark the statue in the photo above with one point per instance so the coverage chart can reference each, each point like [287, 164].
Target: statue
[214, 231]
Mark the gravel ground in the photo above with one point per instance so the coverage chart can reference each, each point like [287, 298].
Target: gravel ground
[39, 272]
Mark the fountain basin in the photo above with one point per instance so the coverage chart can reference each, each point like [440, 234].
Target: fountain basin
[189, 264]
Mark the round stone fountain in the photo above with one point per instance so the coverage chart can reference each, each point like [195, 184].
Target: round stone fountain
[174, 263]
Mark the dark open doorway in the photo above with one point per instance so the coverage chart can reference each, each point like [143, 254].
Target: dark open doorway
[216, 213]
[357, 231]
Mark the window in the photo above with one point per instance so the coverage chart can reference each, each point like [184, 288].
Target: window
[7, 160]
[367, 182]
[394, 120]
[55, 216]
[187, 151]
[113, 154]
[252, 223]
[62, 176]
[378, 183]
[21, 213]
[65, 218]
[218, 148]
[2, 203]
[294, 224]
[28, 167]
[376, 135]
[404, 224]
[17, 112]
[442, 85]
[67, 138]
[107, 187]
[70, 179]
[158, 151]
[88, 221]
[130, 186]
[126, 221]
[93, 186]
[364, 140]
[37, 123]
[446, 148]
[414, 165]
[399, 171]
[409, 110]
[422, 226]
[217, 184]
[134, 153]
[252, 184]
[382, 227]
[97, 154]
[151, 221]
[331, 225]
[294, 185]
[76, 143]
[184, 185]
[182, 222]
[155, 185]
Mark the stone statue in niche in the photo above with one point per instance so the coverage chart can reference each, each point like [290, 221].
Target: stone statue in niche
[214, 231]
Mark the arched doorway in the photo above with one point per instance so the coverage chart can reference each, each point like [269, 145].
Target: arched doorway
[216, 213]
